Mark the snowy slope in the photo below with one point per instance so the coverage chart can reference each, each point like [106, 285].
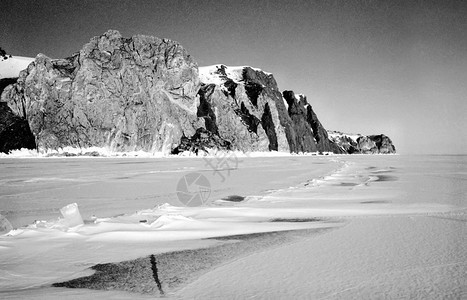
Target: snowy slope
[11, 66]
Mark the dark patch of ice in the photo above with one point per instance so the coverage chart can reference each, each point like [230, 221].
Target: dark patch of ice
[386, 178]
[375, 202]
[178, 268]
[234, 198]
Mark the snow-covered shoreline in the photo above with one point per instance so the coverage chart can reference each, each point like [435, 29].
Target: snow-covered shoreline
[377, 198]
[99, 152]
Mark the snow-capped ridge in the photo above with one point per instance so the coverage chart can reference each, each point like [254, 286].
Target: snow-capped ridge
[336, 135]
[219, 73]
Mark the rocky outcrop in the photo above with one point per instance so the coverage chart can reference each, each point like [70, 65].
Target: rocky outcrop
[202, 140]
[357, 143]
[127, 94]
[146, 93]
[372, 144]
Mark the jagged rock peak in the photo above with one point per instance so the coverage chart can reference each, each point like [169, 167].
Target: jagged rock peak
[220, 73]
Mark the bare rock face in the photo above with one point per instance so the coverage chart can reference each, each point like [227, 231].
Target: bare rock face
[376, 144]
[129, 94]
[366, 145]
[320, 134]
[244, 105]
[240, 105]
[14, 131]
[311, 135]
[303, 137]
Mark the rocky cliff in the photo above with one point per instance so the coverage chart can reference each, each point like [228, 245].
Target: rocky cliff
[126, 94]
[146, 93]
[244, 105]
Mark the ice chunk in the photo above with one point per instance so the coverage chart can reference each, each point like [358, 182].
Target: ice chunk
[5, 225]
[71, 215]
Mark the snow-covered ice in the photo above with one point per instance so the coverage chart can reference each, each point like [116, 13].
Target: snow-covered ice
[398, 224]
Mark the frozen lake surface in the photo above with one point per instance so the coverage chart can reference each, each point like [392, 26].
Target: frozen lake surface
[386, 226]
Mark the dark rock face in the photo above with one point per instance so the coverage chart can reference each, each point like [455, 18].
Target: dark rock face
[268, 125]
[202, 140]
[4, 82]
[126, 94]
[320, 134]
[14, 131]
[304, 141]
[205, 110]
[311, 135]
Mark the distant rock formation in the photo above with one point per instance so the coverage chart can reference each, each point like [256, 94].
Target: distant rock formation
[146, 93]
[357, 143]
[375, 144]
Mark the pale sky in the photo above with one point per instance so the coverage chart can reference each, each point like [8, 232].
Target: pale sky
[370, 67]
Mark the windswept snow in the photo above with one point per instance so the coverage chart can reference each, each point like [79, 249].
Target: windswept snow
[398, 224]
